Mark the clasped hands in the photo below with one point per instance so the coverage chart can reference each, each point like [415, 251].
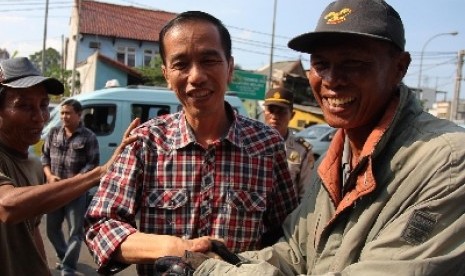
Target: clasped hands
[202, 249]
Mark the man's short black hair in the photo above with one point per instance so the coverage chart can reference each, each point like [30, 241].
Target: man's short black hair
[74, 103]
[196, 16]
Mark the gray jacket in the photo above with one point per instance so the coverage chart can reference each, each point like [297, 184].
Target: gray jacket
[404, 216]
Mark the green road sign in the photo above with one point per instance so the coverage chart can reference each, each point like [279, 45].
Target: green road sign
[248, 85]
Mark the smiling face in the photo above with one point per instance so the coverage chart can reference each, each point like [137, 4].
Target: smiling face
[353, 81]
[24, 113]
[196, 68]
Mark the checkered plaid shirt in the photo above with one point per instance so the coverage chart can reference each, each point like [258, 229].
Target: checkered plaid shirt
[68, 157]
[235, 190]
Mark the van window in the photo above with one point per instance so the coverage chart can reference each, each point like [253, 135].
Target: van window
[99, 118]
[146, 111]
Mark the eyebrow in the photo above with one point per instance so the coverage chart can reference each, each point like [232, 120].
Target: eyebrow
[204, 53]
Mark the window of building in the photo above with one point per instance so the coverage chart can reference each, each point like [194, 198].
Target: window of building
[126, 55]
[148, 56]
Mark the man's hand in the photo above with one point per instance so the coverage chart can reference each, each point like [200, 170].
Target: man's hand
[52, 178]
[175, 246]
[190, 261]
[126, 140]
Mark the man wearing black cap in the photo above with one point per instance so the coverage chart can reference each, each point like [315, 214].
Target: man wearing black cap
[23, 114]
[278, 113]
[392, 184]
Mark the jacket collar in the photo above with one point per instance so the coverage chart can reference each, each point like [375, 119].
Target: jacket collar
[365, 182]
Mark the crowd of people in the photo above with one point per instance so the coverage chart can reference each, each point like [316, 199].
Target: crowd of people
[217, 193]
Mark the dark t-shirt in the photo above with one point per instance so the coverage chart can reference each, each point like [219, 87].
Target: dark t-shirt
[19, 254]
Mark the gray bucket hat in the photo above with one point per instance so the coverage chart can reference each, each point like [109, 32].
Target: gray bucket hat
[347, 18]
[21, 73]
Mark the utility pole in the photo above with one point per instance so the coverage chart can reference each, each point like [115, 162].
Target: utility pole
[458, 80]
[272, 45]
[45, 37]
[76, 39]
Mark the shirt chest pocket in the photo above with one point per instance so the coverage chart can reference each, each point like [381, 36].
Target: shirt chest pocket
[244, 219]
[245, 201]
[167, 199]
[78, 145]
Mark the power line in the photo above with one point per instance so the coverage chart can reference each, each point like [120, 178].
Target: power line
[24, 3]
[250, 45]
[427, 67]
[35, 9]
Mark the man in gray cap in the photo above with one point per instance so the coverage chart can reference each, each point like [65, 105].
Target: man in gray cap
[23, 113]
[392, 184]
[278, 113]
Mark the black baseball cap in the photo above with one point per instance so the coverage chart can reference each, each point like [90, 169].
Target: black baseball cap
[279, 96]
[347, 18]
[21, 73]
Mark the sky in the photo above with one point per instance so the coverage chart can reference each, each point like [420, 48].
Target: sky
[428, 24]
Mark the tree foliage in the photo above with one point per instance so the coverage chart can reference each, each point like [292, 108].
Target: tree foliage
[52, 60]
[53, 67]
[153, 75]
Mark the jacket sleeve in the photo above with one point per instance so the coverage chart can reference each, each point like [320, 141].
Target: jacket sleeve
[258, 263]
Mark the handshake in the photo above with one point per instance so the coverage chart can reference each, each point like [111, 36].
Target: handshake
[186, 265]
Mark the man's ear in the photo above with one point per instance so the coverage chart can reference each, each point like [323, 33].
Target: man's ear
[231, 69]
[165, 74]
[402, 65]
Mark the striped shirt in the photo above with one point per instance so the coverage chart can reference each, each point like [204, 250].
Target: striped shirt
[236, 189]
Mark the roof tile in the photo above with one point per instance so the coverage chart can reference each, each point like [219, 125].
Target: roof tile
[122, 21]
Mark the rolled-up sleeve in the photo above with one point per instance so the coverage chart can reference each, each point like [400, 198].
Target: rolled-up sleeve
[110, 218]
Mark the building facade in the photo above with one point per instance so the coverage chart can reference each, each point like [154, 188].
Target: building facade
[124, 34]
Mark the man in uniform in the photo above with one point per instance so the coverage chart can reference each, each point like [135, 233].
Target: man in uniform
[278, 112]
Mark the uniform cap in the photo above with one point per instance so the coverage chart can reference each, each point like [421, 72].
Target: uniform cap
[279, 96]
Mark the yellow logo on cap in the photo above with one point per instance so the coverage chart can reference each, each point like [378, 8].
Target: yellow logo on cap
[337, 17]
[277, 95]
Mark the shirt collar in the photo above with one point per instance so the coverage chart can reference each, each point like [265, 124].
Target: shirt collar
[185, 135]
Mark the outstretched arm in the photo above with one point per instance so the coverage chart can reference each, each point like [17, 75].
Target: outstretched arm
[146, 248]
[19, 203]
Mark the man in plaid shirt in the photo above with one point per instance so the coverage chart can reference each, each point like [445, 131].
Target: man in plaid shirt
[202, 172]
[69, 150]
